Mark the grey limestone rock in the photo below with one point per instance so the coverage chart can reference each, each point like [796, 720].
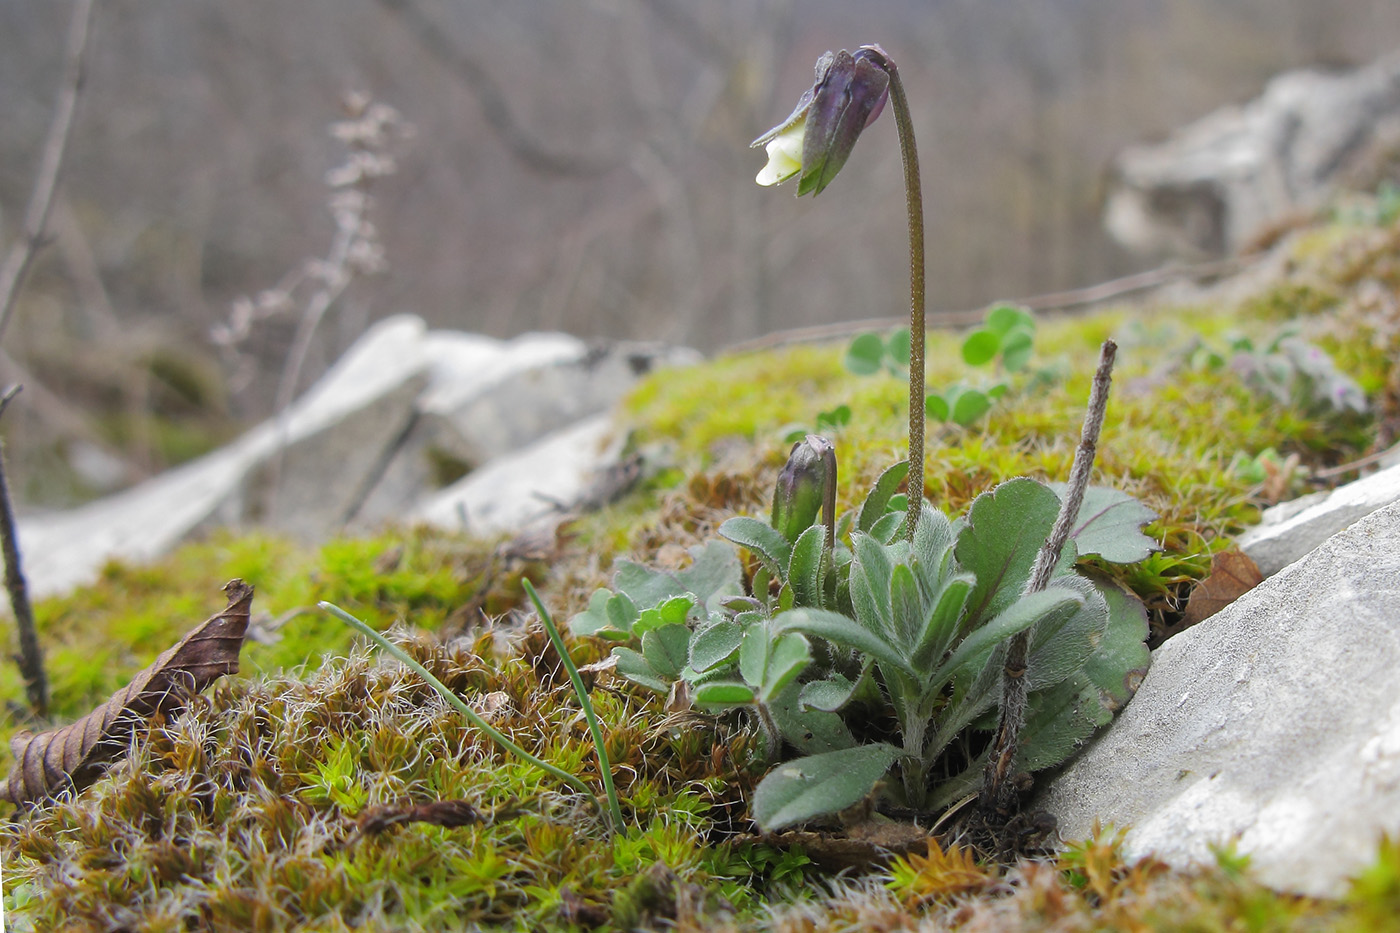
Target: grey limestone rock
[1215, 184]
[1274, 723]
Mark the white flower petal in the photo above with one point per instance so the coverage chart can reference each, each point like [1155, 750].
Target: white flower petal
[784, 156]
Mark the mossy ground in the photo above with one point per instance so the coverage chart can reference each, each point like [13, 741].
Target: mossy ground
[244, 812]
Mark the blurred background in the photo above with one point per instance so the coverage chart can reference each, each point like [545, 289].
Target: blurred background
[581, 166]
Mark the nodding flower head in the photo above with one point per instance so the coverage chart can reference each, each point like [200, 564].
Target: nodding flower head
[806, 486]
[817, 137]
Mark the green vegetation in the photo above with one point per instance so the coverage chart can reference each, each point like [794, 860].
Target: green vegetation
[262, 807]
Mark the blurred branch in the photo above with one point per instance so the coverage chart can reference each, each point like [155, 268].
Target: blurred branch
[491, 97]
[36, 216]
[1072, 300]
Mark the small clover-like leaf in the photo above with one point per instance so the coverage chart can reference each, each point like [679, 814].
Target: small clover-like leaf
[865, 355]
[672, 611]
[722, 693]
[599, 618]
[969, 405]
[1003, 319]
[632, 665]
[667, 649]
[936, 407]
[1016, 350]
[981, 347]
[897, 347]
[818, 784]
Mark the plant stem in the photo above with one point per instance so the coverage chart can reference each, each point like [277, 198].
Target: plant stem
[577, 680]
[997, 791]
[495, 734]
[914, 200]
[31, 654]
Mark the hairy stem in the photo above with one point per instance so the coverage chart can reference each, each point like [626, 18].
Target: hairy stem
[997, 791]
[914, 199]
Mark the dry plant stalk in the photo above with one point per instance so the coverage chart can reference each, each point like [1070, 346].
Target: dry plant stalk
[31, 654]
[998, 791]
[75, 755]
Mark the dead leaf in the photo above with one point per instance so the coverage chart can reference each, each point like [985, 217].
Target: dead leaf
[438, 813]
[76, 755]
[1232, 574]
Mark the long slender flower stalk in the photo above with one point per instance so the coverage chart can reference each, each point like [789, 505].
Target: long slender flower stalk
[814, 142]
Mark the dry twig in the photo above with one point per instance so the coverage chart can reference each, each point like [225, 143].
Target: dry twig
[31, 655]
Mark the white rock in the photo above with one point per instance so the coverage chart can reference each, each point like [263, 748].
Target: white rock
[1291, 529]
[1275, 722]
[532, 485]
[358, 449]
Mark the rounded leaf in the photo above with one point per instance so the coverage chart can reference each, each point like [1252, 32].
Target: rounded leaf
[970, 405]
[1003, 319]
[981, 347]
[864, 355]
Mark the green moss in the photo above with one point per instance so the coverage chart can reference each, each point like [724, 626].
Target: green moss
[243, 813]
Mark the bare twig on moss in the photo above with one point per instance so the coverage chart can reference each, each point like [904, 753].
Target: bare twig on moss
[31, 655]
[997, 790]
[36, 216]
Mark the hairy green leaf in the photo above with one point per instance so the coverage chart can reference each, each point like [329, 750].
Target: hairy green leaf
[721, 693]
[715, 645]
[765, 541]
[818, 784]
[806, 569]
[1110, 524]
[667, 649]
[845, 631]
[1005, 528]
[632, 665]
[878, 500]
[671, 611]
[1047, 606]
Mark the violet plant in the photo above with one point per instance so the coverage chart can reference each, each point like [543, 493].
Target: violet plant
[979, 638]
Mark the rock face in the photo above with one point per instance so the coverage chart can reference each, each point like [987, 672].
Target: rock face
[1291, 529]
[1275, 723]
[1215, 184]
[371, 442]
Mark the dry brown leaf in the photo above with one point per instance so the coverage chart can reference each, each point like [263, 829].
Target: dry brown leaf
[1232, 574]
[75, 755]
[375, 820]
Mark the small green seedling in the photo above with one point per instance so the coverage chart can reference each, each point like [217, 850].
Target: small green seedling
[870, 353]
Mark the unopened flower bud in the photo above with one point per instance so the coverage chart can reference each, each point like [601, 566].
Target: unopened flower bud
[806, 486]
[816, 139]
